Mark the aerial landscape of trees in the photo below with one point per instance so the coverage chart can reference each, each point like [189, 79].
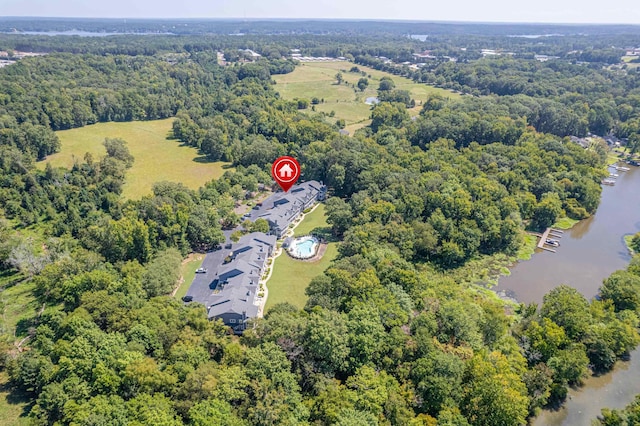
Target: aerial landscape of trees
[395, 332]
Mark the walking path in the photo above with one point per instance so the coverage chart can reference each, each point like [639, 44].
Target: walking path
[262, 301]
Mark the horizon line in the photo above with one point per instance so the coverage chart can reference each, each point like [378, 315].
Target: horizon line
[304, 19]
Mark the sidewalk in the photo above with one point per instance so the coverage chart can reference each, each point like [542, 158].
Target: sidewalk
[262, 301]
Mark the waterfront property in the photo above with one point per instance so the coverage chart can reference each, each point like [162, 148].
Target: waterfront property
[229, 285]
[283, 208]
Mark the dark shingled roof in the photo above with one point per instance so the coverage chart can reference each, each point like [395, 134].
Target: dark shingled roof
[231, 287]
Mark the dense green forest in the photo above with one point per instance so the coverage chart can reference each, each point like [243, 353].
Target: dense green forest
[393, 333]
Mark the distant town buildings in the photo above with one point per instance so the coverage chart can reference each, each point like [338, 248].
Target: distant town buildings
[249, 55]
[299, 57]
[424, 55]
[544, 58]
[10, 57]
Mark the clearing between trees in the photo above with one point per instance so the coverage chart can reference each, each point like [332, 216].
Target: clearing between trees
[318, 80]
[156, 157]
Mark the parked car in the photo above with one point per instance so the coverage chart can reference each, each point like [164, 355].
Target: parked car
[201, 271]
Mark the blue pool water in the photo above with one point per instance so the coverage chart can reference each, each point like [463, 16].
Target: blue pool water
[304, 248]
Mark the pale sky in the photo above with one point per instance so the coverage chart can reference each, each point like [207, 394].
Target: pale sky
[565, 11]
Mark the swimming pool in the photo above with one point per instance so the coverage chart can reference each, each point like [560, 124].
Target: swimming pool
[303, 247]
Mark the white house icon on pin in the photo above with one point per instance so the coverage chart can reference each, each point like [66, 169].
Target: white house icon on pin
[285, 171]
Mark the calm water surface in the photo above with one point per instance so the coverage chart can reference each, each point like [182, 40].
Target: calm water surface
[588, 253]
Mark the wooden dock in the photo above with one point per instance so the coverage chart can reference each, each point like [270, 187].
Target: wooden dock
[556, 233]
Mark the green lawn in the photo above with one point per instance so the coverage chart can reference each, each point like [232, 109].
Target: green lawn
[612, 157]
[188, 274]
[565, 223]
[291, 277]
[156, 157]
[311, 79]
[313, 220]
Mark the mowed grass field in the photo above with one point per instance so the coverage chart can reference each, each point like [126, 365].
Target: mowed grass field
[156, 157]
[291, 277]
[317, 79]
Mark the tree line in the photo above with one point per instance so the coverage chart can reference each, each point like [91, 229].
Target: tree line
[388, 336]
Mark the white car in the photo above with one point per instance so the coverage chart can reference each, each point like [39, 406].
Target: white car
[201, 271]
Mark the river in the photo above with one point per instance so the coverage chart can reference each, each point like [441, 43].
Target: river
[588, 253]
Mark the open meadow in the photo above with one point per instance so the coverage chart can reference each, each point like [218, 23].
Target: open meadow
[317, 79]
[157, 158]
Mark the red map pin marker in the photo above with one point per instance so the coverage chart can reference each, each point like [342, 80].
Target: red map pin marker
[286, 171]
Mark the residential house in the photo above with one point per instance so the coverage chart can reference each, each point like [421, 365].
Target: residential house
[230, 285]
[282, 209]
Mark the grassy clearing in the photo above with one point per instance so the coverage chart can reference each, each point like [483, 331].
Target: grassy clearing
[313, 79]
[17, 304]
[613, 157]
[13, 406]
[189, 267]
[291, 277]
[565, 223]
[156, 157]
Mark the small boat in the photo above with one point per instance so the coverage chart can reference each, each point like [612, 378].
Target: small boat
[551, 242]
[622, 168]
[609, 182]
[613, 175]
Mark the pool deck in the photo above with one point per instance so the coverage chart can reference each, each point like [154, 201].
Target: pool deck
[304, 239]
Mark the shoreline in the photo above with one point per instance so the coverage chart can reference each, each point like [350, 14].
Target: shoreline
[627, 240]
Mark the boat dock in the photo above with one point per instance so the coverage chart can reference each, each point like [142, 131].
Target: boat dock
[549, 232]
